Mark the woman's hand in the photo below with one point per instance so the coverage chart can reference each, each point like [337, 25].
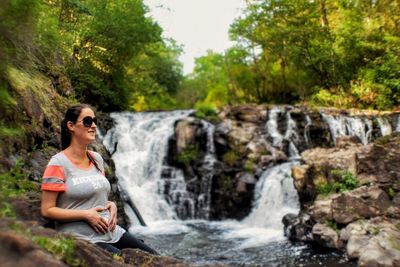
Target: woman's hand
[113, 215]
[98, 223]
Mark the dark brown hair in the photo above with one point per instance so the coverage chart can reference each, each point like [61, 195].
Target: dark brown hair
[72, 114]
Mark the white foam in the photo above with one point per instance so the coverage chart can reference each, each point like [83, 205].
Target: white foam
[166, 227]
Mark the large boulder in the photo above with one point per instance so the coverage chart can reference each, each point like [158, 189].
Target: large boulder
[363, 202]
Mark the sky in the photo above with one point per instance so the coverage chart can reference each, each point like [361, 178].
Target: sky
[197, 25]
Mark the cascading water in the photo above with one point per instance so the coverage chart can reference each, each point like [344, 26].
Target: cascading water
[275, 196]
[141, 142]
[355, 126]
[290, 134]
[384, 125]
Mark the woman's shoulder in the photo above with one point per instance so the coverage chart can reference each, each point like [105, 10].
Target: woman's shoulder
[96, 156]
[57, 159]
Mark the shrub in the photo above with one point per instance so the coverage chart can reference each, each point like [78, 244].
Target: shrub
[346, 181]
[204, 110]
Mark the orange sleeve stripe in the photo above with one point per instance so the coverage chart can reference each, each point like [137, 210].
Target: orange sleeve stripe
[54, 171]
[54, 187]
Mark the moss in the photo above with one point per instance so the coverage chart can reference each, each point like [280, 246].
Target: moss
[383, 140]
[189, 154]
[391, 193]
[63, 248]
[13, 183]
[11, 132]
[230, 158]
[249, 166]
[333, 225]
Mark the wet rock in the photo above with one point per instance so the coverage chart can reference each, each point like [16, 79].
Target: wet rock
[246, 183]
[298, 227]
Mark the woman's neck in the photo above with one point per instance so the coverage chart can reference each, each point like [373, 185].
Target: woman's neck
[77, 152]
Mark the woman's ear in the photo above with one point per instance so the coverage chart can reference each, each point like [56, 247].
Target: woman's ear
[70, 126]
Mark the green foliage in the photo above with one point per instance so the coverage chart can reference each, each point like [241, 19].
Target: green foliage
[342, 54]
[383, 140]
[9, 132]
[249, 166]
[63, 248]
[6, 210]
[391, 193]
[15, 182]
[230, 158]
[204, 111]
[189, 154]
[344, 181]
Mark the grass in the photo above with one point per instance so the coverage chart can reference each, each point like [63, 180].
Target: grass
[63, 248]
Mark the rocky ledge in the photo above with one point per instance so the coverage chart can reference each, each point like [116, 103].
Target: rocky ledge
[360, 212]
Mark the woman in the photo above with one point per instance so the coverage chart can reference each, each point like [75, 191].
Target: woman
[75, 189]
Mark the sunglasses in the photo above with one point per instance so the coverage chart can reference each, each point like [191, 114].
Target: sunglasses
[88, 121]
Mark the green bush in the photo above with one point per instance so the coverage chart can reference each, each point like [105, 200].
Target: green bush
[204, 110]
[345, 181]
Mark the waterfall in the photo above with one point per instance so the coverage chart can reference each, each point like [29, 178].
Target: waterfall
[275, 196]
[384, 125]
[290, 134]
[204, 199]
[139, 143]
[344, 125]
[307, 130]
[398, 124]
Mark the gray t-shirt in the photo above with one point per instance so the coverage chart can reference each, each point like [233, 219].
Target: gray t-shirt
[80, 189]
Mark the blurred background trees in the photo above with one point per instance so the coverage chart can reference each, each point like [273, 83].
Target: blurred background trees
[112, 54]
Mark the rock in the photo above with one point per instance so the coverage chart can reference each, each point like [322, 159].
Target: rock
[248, 113]
[321, 210]
[346, 141]
[326, 236]
[363, 202]
[299, 176]
[135, 257]
[186, 131]
[374, 242]
[17, 250]
[298, 227]
[246, 183]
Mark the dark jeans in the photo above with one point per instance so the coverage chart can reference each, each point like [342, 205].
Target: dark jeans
[127, 241]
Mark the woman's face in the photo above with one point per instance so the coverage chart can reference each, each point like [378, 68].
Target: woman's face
[84, 129]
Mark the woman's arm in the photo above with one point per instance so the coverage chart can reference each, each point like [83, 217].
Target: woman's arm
[49, 210]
